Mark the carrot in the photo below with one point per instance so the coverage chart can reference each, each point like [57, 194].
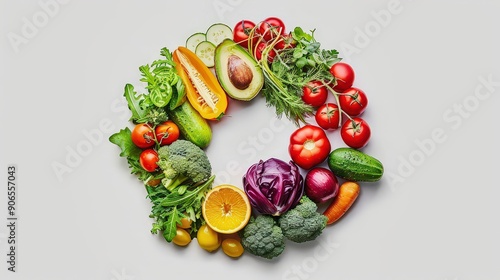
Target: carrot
[348, 192]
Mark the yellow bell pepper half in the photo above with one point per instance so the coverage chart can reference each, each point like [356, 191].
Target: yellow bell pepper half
[202, 87]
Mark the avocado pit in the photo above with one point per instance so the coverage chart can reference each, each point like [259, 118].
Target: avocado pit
[239, 72]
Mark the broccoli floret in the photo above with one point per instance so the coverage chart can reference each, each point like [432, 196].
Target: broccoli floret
[262, 237]
[302, 223]
[183, 162]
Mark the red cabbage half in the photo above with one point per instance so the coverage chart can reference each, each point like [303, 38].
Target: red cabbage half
[273, 186]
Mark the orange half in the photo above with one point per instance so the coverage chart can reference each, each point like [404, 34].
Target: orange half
[226, 209]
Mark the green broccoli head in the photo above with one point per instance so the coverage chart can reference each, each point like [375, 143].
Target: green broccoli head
[302, 223]
[262, 237]
[183, 161]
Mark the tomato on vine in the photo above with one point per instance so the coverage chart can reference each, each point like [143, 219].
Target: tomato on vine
[148, 160]
[353, 101]
[355, 132]
[260, 49]
[270, 28]
[241, 33]
[143, 136]
[328, 116]
[344, 75]
[314, 93]
[285, 42]
[166, 133]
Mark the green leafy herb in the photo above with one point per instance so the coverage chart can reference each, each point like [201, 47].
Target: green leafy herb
[171, 225]
[170, 207]
[129, 150]
[165, 91]
[162, 80]
[134, 103]
[291, 70]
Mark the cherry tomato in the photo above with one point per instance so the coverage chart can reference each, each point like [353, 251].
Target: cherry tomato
[185, 223]
[148, 160]
[309, 146]
[208, 238]
[355, 133]
[182, 238]
[286, 42]
[271, 27]
[344, 74]
[166, 133]
[260, 48]
[241, 32]
[328, 116]
[314, 93]
[353, 101]
[232, 248]
[154, 182]
[143, 136]
[234, 236]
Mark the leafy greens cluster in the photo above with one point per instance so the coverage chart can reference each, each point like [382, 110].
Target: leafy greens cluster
[165, 92]
[291, 70]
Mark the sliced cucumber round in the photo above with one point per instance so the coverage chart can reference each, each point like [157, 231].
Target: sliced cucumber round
[206, 52]
[217, 32]
[194, 40]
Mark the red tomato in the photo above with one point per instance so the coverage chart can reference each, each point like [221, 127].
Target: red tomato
[353, 101]
[309, 146]
[286, 42]
[148, 160]
[314, 93]
[271, 27]
[166, 133]
[241, 32]
[260, 48]
[355, 133]
[344, 74]
[143, 136]
[328, 116]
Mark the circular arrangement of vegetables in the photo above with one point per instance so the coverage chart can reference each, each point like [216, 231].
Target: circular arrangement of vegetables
[190, 87]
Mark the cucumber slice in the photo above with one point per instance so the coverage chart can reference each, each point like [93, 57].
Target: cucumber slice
[217, 32]
[206, 52]
[194, 40]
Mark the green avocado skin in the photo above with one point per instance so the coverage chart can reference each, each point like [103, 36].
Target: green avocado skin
[354, 165]
[223, 52]
[192, 125]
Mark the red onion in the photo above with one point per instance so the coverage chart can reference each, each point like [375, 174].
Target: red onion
[321, 184]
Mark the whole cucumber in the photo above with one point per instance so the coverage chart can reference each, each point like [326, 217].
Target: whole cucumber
[192, 125]
[354, 165]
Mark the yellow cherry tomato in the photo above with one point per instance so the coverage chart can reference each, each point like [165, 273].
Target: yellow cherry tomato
[232, 248]
[182, 238]
[208, 238]
[185, 223]
[235, 236]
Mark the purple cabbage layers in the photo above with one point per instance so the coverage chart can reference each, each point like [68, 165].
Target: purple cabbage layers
[273, 186]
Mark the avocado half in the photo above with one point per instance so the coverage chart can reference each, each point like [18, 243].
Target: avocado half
[238, 72]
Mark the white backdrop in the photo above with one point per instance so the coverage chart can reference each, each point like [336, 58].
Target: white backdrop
[431, 72]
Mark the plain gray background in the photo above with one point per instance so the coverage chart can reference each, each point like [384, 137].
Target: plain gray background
[420, 63]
